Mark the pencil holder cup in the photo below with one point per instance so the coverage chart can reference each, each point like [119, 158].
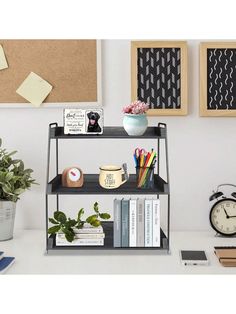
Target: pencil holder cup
[145, 177]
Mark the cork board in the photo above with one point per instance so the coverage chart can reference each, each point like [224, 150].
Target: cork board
[70, 66]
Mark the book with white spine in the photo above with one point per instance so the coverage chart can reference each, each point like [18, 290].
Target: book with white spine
[133, 223]
[79, 242]
[87, 228]
[84, 236]
[156, 228]
[148, 223]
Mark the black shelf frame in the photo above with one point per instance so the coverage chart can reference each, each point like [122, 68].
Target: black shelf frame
[91, 185]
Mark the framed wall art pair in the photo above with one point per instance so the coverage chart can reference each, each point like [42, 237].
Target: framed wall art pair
[159, 77]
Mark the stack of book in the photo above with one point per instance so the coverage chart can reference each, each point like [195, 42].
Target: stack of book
[226, 255]
[136, 223]
[86, 236]
[5, 262]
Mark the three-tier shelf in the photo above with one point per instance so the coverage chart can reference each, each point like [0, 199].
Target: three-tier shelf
[91, 183]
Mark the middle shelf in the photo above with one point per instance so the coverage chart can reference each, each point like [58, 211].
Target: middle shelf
[91, 186]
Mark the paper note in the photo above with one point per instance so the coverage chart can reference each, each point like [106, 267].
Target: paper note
[3, 61]
[34, 89]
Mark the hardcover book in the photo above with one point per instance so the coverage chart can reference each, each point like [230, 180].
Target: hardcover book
[156, 239]
[79, 242]
[5, 263]
[125, 223]
[148, 223]
[133, 223]
[117, 223]
[140, 223]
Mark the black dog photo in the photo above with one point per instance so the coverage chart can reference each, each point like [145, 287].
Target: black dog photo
[93, 125]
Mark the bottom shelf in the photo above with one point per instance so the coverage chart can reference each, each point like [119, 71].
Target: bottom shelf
[108, 243]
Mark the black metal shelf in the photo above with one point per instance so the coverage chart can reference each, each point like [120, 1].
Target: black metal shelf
[108, 242]
[91, 186]
[91, 183]
[109, 132]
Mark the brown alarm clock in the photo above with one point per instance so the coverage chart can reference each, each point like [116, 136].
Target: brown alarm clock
[72, 177]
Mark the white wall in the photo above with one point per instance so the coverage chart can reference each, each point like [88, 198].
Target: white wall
[202, 150]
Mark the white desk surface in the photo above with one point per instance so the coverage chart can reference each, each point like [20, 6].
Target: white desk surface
[28, 247]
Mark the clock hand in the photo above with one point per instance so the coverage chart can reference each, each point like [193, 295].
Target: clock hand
[232, 216]
[227, 216]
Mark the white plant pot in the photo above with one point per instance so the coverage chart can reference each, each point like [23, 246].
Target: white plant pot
[135, 124]
[7, 219]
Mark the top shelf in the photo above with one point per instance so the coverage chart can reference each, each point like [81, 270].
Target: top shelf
[57, 132]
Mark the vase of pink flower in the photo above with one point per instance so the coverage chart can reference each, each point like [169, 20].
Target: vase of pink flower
[135, 120]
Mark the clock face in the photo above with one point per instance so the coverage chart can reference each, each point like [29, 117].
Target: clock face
[74, 174]
[223, 216]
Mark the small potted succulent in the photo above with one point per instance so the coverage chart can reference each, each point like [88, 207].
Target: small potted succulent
[14, 180]
[135, 120]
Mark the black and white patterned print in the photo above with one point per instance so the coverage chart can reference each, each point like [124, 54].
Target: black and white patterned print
[158, 77]
[221, 79]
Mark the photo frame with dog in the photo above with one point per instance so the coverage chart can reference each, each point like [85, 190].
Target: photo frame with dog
[83, 121]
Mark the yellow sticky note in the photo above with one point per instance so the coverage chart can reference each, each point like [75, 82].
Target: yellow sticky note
[34, 89]
[3, 61]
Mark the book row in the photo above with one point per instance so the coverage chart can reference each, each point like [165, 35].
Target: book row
[136, 223]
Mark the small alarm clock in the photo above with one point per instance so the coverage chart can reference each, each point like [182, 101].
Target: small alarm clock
[72, 177]
[223, 212]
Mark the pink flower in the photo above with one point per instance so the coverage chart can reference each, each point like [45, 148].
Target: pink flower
[136, 107]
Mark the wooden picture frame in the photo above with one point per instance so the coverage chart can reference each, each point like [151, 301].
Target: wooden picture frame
[159, 76]
[217, 79]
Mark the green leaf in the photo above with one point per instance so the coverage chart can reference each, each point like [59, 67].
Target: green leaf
[53, 221]
[95, 223]
[80, 213]
[0, 142]
[54, 229]
[104, 216]
[7, 190]
[12, 153]
[60, 216]
[68, 234]
[80, 225]
[95, 207]
[19, 191]
[9, 176]
[92, 218]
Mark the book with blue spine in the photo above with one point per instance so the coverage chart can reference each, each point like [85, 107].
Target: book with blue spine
[5, 263]
[117, 223]
[125, 223]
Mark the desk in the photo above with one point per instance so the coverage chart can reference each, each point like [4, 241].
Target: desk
[28, 247]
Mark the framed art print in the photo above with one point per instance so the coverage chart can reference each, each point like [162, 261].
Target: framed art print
[218, 79]
[159, 76]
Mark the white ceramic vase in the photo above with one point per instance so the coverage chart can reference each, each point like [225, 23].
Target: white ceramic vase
[135, 124]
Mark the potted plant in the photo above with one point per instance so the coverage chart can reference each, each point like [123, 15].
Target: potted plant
[135, 121]
[67, 226]
[14, 180]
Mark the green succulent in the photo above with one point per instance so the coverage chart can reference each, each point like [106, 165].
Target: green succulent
[67, 225]
[14, 178]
